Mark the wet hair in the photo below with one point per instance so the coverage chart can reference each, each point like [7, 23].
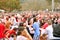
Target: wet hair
[35, 20]
[18, 33]
[20, 30]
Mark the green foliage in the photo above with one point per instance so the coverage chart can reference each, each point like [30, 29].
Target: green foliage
[10, 5]
[50, 1]
[34, 4]
[56, 3]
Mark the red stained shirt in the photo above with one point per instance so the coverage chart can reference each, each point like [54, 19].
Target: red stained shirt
[10, 32]
[2, 29]
[45, 25]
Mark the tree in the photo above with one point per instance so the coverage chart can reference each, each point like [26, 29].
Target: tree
[56, 3]
[33, 4]
[10, 5]
[50, 1]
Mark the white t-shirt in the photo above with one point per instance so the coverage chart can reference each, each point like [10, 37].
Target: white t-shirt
[49, 30]
[43, 31]
[30, 29]
[21, 38]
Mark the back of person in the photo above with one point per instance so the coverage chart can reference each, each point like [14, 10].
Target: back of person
[21, 38]
[56, 30]
[49, 30]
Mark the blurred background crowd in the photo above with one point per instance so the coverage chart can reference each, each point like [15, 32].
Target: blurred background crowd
[28, 25]
[29, 19]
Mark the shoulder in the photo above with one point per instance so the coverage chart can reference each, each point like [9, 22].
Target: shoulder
[21, 37]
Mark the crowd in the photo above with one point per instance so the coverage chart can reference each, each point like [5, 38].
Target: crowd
[30, 26]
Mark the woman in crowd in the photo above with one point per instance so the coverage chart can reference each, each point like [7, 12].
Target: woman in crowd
[49, 30]
[30, 28]
[25, 32]
[7, 23]
[21, 34]
[36, 28]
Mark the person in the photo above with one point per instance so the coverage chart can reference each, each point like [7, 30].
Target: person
[49, 30]
[20, 34]
[45, 25]
[36, 29]
[2, 30]
[11, 34]
[30, 28]
[56, 29]
[7, 23]
[13, 20]
[26, 34]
